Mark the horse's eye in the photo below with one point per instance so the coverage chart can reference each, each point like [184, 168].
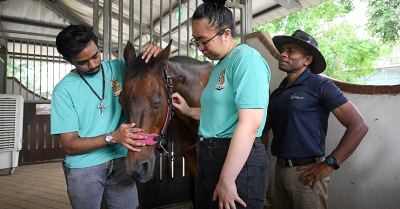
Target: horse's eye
[156, 104]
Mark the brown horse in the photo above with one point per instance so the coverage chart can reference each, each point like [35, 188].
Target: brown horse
[146, 101]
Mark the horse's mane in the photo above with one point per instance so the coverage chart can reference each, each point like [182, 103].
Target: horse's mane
[191, 63]
[187, 66]
[139, 67]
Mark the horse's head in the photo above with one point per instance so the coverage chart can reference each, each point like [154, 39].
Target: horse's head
[144, 99]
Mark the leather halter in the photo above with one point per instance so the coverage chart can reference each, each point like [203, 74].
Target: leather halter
[154, 138]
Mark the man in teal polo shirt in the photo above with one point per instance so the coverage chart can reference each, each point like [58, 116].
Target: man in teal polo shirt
[86, 114]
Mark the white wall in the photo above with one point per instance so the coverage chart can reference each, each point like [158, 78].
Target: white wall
[370, 178]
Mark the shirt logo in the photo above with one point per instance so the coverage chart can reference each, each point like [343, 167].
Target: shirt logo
[221, 83]
[294, 96]
[115, 85]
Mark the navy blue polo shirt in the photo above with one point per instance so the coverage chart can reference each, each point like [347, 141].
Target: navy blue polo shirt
[300, 113]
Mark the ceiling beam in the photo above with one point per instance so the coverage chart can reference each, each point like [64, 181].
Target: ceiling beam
[25, 21]
[53, 6]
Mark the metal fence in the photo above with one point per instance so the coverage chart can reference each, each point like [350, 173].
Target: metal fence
[34, 67]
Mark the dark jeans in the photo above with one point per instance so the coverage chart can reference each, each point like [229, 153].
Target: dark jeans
[251, 183]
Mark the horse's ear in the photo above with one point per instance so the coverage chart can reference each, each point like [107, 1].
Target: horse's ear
[163, 56]
[129, 53]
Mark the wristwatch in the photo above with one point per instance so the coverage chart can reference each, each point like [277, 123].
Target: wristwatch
[109, 139]
[330, 160]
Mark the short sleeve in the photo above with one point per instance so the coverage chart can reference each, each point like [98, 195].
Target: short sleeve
[64, 118]
[251, 77]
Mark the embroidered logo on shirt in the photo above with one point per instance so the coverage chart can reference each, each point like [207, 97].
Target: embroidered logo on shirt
[115, 85]
[221, 83]
[294, 96]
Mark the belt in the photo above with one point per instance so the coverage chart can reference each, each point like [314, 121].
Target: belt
[202, 139]
[290, 163]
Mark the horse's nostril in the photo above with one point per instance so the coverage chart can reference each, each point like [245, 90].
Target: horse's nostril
[145, 167]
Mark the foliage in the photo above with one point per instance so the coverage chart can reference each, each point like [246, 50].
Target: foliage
[29, 74]
[349, 54]
[310, 19]
[384, 20]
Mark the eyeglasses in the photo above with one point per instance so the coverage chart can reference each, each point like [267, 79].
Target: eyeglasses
[202, 45]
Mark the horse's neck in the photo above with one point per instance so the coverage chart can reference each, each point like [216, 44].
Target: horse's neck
[190, 78]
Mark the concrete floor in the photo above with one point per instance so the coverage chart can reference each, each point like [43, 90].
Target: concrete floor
[40, 186]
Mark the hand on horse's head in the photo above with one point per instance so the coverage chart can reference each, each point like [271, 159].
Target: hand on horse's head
[125, 136]
[151, 50]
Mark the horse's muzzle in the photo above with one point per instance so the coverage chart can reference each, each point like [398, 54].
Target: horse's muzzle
[141, 170]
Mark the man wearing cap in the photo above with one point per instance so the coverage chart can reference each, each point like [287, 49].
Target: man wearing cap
[298, 115]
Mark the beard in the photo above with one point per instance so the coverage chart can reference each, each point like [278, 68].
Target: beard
[91, 71]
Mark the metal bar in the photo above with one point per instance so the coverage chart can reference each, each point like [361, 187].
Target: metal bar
[183, 166]
[242, 25]
[151, 40]
[141, 25]
[109, 19]
[20, 68]
[53, 64]
[161, 13]
[34, 70]
[172, 162]
[25, 40]
[106, 30]
[29, 56]
[120, 28]
[161, 163]
[179, 27]
[170, 20]
[131, 20]
[187, 29]
[47, 71]
[28, 45]
[5, 64]
[27, 33]
[96, 17]
[40, 71]
[59, 66]
[13, 69]
[197, 51]
[25, 21]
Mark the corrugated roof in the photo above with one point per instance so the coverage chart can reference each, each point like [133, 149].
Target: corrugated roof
[43, 19]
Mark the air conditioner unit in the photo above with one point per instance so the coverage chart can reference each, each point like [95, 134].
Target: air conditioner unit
[11, 117]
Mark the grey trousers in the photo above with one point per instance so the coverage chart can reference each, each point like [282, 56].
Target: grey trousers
[86, 186]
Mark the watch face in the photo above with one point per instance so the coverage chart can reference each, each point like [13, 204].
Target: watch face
[330, 160]
[109, 138]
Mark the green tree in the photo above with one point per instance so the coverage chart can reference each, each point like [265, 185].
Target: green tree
[349, 54]
[28, 73]
[384, 20]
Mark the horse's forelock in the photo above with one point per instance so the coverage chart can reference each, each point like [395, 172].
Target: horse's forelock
[139, 67]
